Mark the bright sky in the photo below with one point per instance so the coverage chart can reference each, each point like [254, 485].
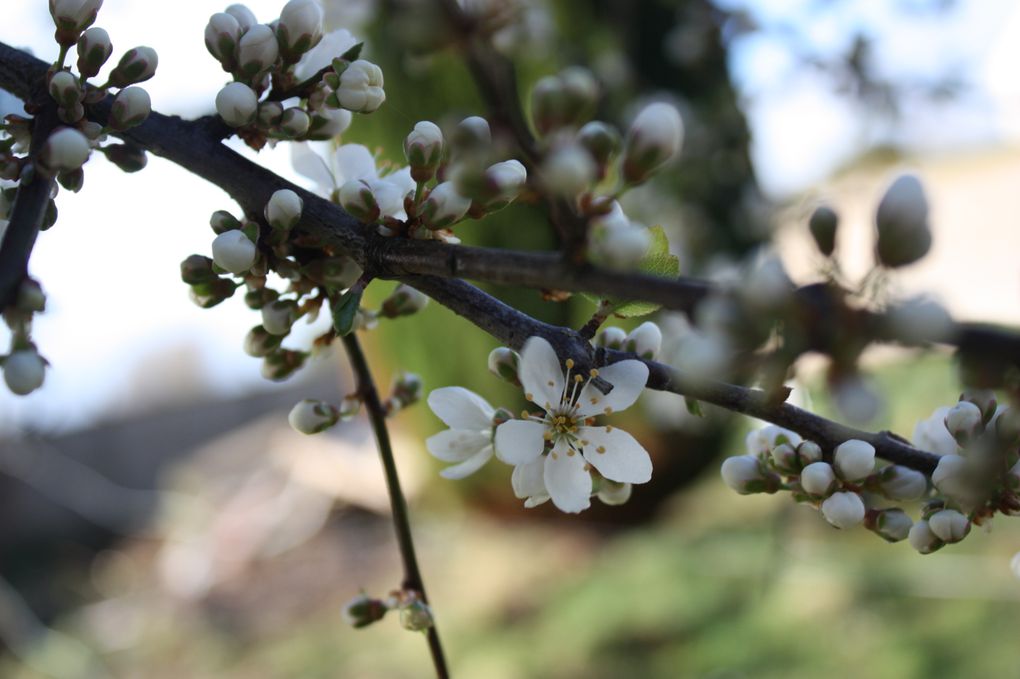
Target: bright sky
[110, 265]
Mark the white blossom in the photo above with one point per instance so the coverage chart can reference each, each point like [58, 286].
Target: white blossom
[922, 538]
[949, 525]
[444, 206]
[361, 87]
[843, 509]
[237, 104]
[468, 441]
[284, 209]
[300, 26]
[257, 50]
[817, 479]
[854, 459]
[575, 446]
[931, 434]
[332, 45]
[964, 421]
[65, 150]
[234, 251]
[644, 340]
[354, 162]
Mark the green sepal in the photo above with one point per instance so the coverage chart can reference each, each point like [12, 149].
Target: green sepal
[346, 309]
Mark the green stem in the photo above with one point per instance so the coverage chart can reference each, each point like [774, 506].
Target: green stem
[398, 505]
[62, 56]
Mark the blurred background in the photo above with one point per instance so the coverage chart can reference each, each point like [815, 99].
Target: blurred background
[158, 517]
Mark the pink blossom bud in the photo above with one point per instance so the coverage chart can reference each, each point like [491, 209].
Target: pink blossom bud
[64, 89]
[94, 48]
[71, 17]
[423, 149]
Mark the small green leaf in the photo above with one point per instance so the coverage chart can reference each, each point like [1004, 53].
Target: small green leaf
[657, 262]
[693, 406]
[346, 309]
[353, 53]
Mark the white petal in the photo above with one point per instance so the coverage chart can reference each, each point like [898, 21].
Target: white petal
[519, 441]
[402, 179]
[457, 445]
[527, 479]
[535, 501]
[628, 379]
[308, 163]
[354, 161]
[332, 45]
[540, 373]
[461, 408]
[468, 466]
[623, 459]
[567, 480]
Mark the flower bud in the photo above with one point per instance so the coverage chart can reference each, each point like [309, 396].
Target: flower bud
[257, 51]
[444, 207]
[568, 170]
[817, 479]
[854, 459]
[137, 65]
[902, 223]
[234, 252]
[222, 34]
[127, 157]
[295, 123]
[357, 198]
[504, 362]
[565, 99]
[613, 493]
[766, 284]
[197, 269]
[259, 343]
[823, 224]
[328, 123]
[808, 452]
[902, 483]
[923, 539]
[964, 422]
[311, 416]
[611, 337]
[222, 221]
[984, 399]
[406, 391]
[920, 320]
[30, 297]
[237, 104]
[949, 525]
[244, 16]
[362, 611]
[843, 509]
[416, 616]
[299, 28]
[403, 301]
[131, 107]
[281, 364]
[64, 89]
[855, 399]
[745, 475]
[951, 477]
[502, 182]
[616, 242]
[601, 141]
[24, 371]
[471, 136]
[71, 17]
[644, 340]
[361, 87]
[65, 150]
[653, 140]
[1007, 427]
[283, 211]
[210, 293]
[278, 317]
[892, 525]
[423, 149]
[94, 48]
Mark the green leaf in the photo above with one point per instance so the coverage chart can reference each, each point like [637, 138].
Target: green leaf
[693, 406]
[657, 262]
[353, 53]
[346, 309]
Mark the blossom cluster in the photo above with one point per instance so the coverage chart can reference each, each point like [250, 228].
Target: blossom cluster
[978, 475]
[66, 149]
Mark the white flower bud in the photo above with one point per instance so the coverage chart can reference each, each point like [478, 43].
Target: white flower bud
[403, 301]
[817, 479]
[257, 50]
[64, 89]
[278, 317]
[902, 483]
[357, 198]
[24, 371]
[615, 241]
[222, 34]
[784, 459]
[503, 182]
[611, 338]
[283, 211]
[74, 16]
[295, 123]
[131, 107]
[613, 494]
[416, 616]
[600, 140]
[644, 340]
[843, 509]
[423, 149]
[923, 539]
[504, 362]
[920, 320]
[65, 150]
[984, 399]
[471, 135]
[259, 343]
[94, 48]
[234, 252]
[653, 140]
[949, 525]
[893, 524]
[311, 416]
[808, 452]
[964, 422]
[444, 206]
[237, 104]
[568, 170]
[743, 473]
[244, 16]
[854, 459]
[949, 475]
[902, 223]
[300, 28]
[31, 296]
[137, 65]
[361, 87]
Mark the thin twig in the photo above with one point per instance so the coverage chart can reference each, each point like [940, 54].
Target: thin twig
[398, 505]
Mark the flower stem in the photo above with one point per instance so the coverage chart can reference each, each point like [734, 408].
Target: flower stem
[398, 505]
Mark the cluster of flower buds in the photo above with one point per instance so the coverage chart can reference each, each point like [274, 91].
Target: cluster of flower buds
[415, 614]
[288, 58]
[311, 416]
[23, 368]
[644, 340]
[978, 475]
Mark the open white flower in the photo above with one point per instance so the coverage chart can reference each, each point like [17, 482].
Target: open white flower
[468, 441]
[559, 447]
[353, 162]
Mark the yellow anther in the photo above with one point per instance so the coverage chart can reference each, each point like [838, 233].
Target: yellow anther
[593, 372]
[608, 429]
[578, 378]
[608, 411]
[570, 363]
[585, 442]
[551, 383]
[594, 400]
[525, 414]
[587, 467]
[600, 449]
[547, 435]
[555, 456]
[530, 397]
[570, 452]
